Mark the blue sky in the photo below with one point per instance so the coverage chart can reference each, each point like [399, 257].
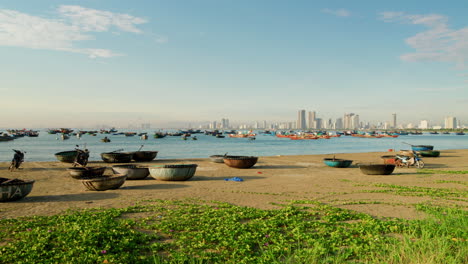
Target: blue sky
[81, 63]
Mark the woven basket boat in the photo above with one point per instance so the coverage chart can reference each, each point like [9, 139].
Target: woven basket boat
[14, 189]
[240, 162]
[337, 163]
[133, 172]
[87, 172]
[175, 172]
[114, 157]
[67, 156]
[104, 183]
[377, 169]
[144, 155]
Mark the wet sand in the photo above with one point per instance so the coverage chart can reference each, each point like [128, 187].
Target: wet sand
[273, 180]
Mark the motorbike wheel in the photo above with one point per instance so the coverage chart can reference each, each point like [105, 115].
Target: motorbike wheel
[420, 164]
[13, 166]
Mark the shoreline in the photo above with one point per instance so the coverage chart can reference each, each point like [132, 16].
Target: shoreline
[274, 179]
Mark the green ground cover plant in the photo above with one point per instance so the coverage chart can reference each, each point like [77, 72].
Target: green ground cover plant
[193, 231]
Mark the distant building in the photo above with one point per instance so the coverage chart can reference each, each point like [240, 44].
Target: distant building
[318, 123]
[339, 123]
[311, 119]
[351, 121]
[424, 124]
[394, 124]
[224, 123]
[301, 122]
[450, 122]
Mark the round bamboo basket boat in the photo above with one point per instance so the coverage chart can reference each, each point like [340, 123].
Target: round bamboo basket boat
[143, 156]
[115, 157]
[132, 171]
[338, 163]
[104, 183]
[240, 162]
[175, 172]
[377, 169]
[67, 156]
[87, 172]
[14, 189]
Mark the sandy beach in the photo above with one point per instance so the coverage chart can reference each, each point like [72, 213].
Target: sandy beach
[273, 180]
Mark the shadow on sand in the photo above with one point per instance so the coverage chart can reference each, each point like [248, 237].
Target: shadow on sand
[153, 187]
[69, 197]
[278, 167]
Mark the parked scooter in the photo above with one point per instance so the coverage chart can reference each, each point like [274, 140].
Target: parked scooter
[81, 158]
[406, 161]
[18, 158]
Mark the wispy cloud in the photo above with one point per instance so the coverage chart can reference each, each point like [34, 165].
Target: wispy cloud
[73, 25]
[437, 43]
[337, 12]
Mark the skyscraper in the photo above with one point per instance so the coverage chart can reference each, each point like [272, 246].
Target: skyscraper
[450, 122]
[301, 121]
[311, 119]
[394, 121]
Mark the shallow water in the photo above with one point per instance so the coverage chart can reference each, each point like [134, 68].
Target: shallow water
[42, 148]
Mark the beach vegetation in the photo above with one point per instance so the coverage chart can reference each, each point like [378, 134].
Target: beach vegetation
[195, 231]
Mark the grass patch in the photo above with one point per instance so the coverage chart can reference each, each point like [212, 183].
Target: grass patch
[420, 191]
[191, 231]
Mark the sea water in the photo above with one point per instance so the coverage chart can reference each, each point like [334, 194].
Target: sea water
[44, 147]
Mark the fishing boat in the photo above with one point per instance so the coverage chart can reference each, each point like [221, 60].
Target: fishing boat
[459, 133]
[159, 135]
[105, 140]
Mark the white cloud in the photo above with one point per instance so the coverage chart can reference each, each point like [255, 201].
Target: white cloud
[88, 19]
[437, 43]
[337, 12]
[23, 30]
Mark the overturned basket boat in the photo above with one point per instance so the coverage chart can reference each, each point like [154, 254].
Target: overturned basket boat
[144, 155]
[67, 156]
[174, 172]
[104, 183]
[240, 162]
[377, 169]
[132, 171]
[337, 163]
[114, 157]
[87, 172]
[14, 189]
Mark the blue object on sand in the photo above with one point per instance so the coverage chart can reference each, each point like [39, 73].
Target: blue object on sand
[237, 179]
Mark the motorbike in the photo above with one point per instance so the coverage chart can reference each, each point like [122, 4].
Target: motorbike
[81, 158]
[18, 158]
[406, 161]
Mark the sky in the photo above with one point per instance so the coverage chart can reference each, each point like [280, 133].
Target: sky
[92, 62]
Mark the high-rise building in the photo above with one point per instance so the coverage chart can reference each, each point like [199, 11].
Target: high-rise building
[424, 124]
[301, 122]
[310, 119]
[318, 124]
[224, 123]
[351, 121]
[450, 122]
[339, 123]
[394, 125]
[265, 124]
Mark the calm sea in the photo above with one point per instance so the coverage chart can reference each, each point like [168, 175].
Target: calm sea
[42, 148]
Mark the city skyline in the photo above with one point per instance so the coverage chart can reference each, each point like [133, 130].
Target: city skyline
[168, 64]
